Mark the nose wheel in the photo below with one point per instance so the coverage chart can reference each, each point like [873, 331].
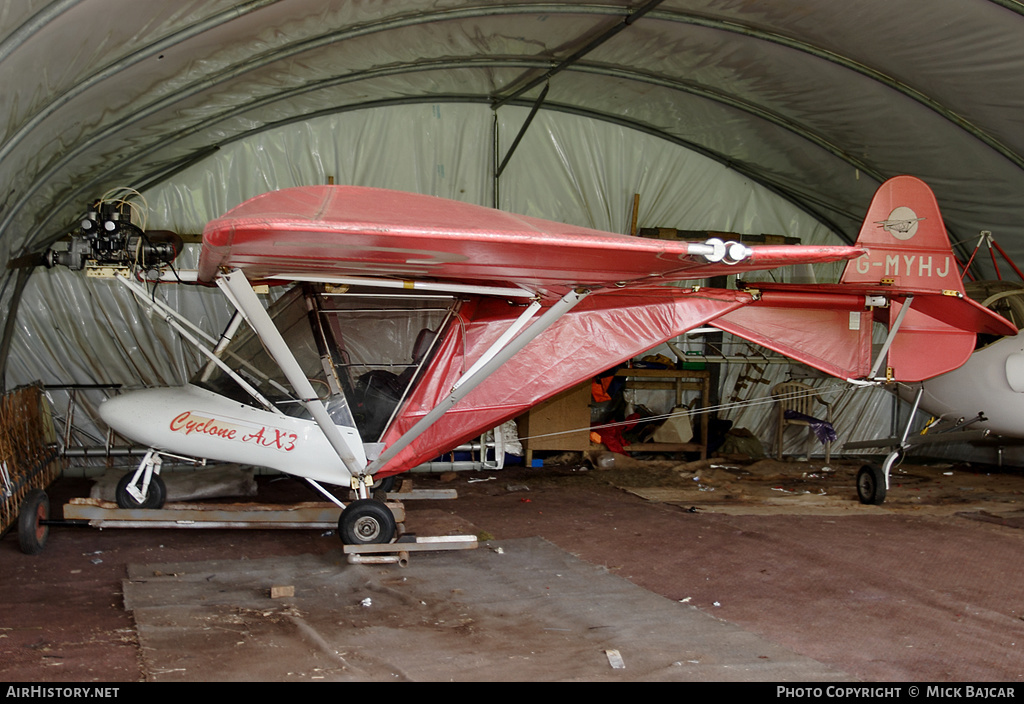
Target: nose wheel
[366, 521]
[142, 488]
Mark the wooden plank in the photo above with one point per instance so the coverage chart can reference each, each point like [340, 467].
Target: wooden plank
[419, 544]
[223, 515]
[667, 385]
[665, 373]
[665, 447]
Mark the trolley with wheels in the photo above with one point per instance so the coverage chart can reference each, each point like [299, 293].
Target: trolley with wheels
[29, 463]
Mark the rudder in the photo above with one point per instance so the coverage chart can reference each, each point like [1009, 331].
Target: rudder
[908, 247]
[909, 255]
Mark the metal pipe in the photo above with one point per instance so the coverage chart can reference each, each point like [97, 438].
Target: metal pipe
[913, 411]
[401, 559]
[225, 338]
[249, 388]
[407, 285]
[892, 335]
[438, 467]
[522, 131]
[171, 316]
[328, 495]
[103, 451]
[156, 303]
[632, 16]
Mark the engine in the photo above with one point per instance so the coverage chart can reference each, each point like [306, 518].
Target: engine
[106, 239]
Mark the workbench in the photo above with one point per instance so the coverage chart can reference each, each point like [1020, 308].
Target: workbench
[562, 423]
[678, 380]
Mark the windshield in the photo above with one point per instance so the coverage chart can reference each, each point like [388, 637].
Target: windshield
[360, 352]
[247, 356]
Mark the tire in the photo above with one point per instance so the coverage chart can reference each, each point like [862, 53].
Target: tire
[366, 522]
[155, 499]
[871, 485]
[387, 484]
[32, 531]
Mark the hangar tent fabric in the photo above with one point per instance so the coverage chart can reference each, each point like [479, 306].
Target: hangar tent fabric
[770, 117]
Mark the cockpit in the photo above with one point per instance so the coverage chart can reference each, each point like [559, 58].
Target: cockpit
[361, 351]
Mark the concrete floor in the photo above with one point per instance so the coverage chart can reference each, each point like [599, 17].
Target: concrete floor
[765, 572]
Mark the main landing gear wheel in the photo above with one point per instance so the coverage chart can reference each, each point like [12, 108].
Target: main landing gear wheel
[155, 497]
[871, 484]
[366, 522]
[32, 528]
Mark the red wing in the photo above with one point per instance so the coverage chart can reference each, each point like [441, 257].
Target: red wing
[355, 231]
[604, 330]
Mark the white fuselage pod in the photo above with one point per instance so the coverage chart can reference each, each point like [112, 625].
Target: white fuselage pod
[192, 421]
[990, 382]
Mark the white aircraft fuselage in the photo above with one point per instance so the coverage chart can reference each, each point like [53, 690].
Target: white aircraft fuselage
[189, 420]
[984, 384]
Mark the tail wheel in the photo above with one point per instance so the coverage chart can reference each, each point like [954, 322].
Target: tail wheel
[32, 528]
[871, 484]
[366, 522]
[155, 497]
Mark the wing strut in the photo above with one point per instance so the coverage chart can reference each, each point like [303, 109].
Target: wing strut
[893, 329]
[499, 344]
[238, 290]
[179, 323]
[478, 373]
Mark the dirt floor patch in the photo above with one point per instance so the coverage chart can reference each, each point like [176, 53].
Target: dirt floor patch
[771, 486]
[924, 588]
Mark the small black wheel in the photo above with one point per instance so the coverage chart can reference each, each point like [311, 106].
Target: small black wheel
[871, 484]
[32, 529]
[154, 499]
[387, 484]
[366, 522]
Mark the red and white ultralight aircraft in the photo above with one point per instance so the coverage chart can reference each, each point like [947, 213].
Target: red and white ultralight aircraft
[513, 311]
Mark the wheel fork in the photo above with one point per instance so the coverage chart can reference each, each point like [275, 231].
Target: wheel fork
[149, 465]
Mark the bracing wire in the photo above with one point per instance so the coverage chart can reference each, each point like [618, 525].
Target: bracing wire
[835, 387]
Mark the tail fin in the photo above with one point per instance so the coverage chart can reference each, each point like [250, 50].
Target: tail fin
[909, 255]
[908, 248]
[908, 264]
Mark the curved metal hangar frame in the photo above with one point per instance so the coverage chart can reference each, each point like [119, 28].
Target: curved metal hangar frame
[807, 105]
